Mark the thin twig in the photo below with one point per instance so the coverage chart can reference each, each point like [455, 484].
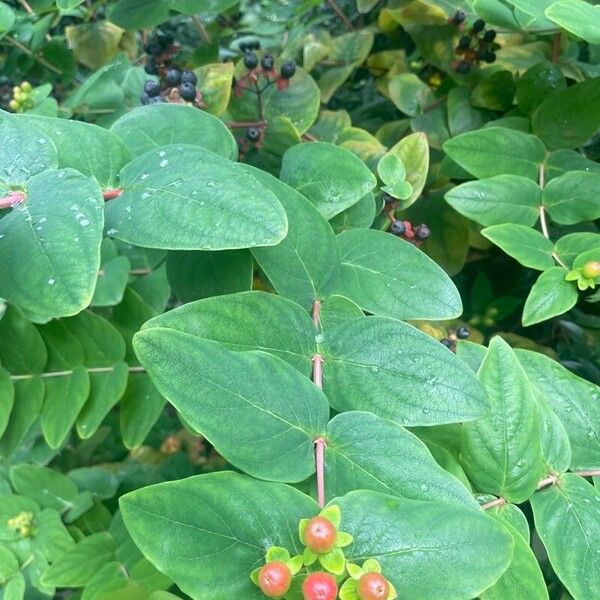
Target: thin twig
[547, 482]
[27, 51]
[544, 219]
[340, 13]
[493, 503]
[556, 40]
[592, 473]
[66, 373]
[199, 25]
[245, 124]
[26, 6]
[146, 271]
[320, 442]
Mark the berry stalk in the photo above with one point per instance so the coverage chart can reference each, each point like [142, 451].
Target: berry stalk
[319, 442]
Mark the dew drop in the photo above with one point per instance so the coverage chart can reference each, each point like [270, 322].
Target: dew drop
[42, 220]
[111, 231]
[161, 153]
[42, 140]
[319, 338]
[424, 488]
[591, 435]
[519, 463]
[374, 369]
[145, 195]
[51, 281]
[145, 176]
[164, 162]
[211, 184]
[84, 222]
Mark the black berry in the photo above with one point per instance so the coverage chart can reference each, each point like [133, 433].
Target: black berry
[464, 43]
[267, 62]
[144, 98]
[189, 77]
[422, 232]
[490, 57]
[448, 343]
[462, 333]
[187, 91]
[151, 88]
[489, 36]
[153, 47]
[459, 17]
[173, 77]
[253, 134]
[463, 67]
[398, 227]
[165, 40]
[155, 100]
[244, 47]
[478, 26]
[254, 45]
[251, 61]
[288, 69]
[151, 67]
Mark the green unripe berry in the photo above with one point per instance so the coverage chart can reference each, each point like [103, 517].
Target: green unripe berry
[26, 86]
[591, 269]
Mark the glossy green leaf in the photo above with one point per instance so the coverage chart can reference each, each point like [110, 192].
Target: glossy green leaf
[556, 446]
[502, 453]
[22, 350]
[113, 276]
[406, 285]
[365, 451]
[49, 488]
[497, 151]
[330, 177]
[185, 198]
[217, 390]
[425, 548]
[550, 296]
[413, 150]
[537, 83]
[577, 17]
[337, 310]
[523, 243]
[56, 232]
[239, 518]
[367, 368]
[573, 197]
[359, 216]
[567, 518]
[494, 92]
[7, 397]
[410, 94]
[498, 200]
[149, 127]
[570, 246]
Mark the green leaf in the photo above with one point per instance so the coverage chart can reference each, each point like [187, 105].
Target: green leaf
[567, 518]
[406, 285]
[149, 127]
[410, 94]
[7, 17]
[574, 400]
[391, 169]
[577, 17]
[502, 453]
[129, 14]
[368, 452]
[570, 246]
[56, 232]
[428, 546]
[556, 446]
[413, 150]
[113, 276]
[330, 177]
[305, 264]
[15, 588]
[524, 244]
[101, 483]
[573, 197]
[337, 310]
[495, 92]
[366, 369]
[217, 390]
[215, 83]
[570, 117]
[537, 83]
[240, 519]
[498, 200]
[497, 151]
[26, 153]
[550, 296]
[87, 148]
[7, 397]
[49, 488]
[359, 215]
[197, 275]
[192, 204]
[9, 565]
[22, 350]
[77, 566]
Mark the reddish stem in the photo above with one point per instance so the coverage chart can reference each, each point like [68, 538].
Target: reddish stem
[316, 311]
[320, 444]
[111, 194]
[493, 503]
[593, 473]
[318, 370]
[547, 482]
[12, 199]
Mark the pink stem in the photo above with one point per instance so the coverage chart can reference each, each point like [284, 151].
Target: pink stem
[320, 444]
[111, 194]
[493, 503]
[546, 482]
[316, 312]
[318, 370]
[12, 199]
[593, 473]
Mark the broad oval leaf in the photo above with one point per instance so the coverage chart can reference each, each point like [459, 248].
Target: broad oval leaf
[259, 412]
[392, 369]
[149, 127]
[190, 521]
[523, 243]
[406, 284]
[187, 198]
[550, 296]
[573, 197]
[425, 548]
[577, 17]
[414, 152]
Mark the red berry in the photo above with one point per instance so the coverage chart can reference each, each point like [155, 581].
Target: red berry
[373, 586]
[319, 586]
[275, 579]
[320, 535]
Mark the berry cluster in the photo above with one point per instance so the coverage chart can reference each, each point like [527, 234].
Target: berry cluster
[461, 333]
[475, 46]
[21, 97]
[405, 230]
[22, 524]
[160, 49]
[323, 542]
[177, 86]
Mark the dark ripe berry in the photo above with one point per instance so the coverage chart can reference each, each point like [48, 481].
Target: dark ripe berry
[462, 333]
[189, 77]
[151, 67]
[490, 57]
[267, 62]
[288, 69]
[187, 91]
[478, 26]
[482, 53]
[165, 40]
[144, 98]
[173, 77]
[274, 579]
[251, 61]
[373, 586]
[459, 17]
[156, 100]
[254, 45]
[422, 232]
[463, 67]
[446, 342]
[398, 227]
[489, 36]
[153, 47]
[319, 586]
[320, 535]
[152, 88]
[253, 134]
[244, 47]
[464, 43]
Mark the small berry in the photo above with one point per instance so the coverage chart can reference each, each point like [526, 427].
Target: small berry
[373, 586]
[152, 88]
[151, 67]
[463, 67]
[422, 232]
[462, 333]
[482, 53]
[164, 41]
[144, 98]
[275, 579]
[464, 43]
[244, 47]
[189, 77]
[490, 57]
[14, 105]
[459, 17]
[253, 134]
[254, 45]
[173, 77]
[26, 86]
[319, 586]
[153, 47]
[267, 62]
[250, 61]
[591, 269]
[398, 227]
[489, 36]
[478, 26]
[156, 100]
[187, 91]
[446, 342]
[288, 69]
[319, 535]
